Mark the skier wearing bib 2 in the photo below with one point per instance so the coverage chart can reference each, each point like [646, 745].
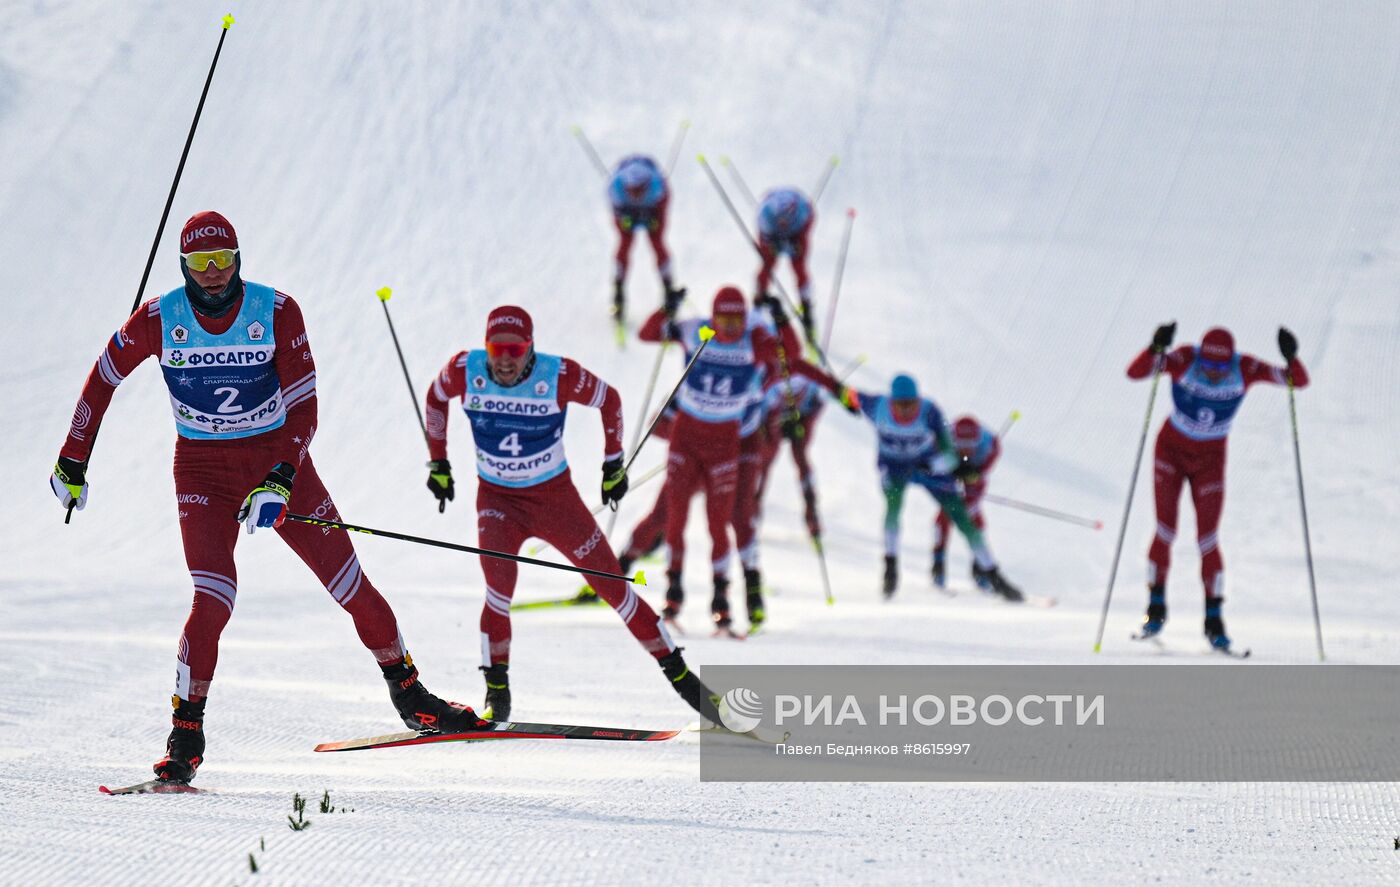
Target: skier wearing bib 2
[516, 400]
[1208, 385]
[978, 450]
[705, 446]
[914, 447]
[243, 389]
[639, 196]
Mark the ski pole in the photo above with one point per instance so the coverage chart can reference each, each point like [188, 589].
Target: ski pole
[227, 23]
[1303, 506]
[743, 228]
[646, 405]
[639, 579]
[676, 147]
[826, 577]
[598, 509]
[855, 365]
[739, 182]
[1128, 505]
[1010, 420]
[384, 293]
[1045, 512]
[706, 334]
[840, 270]
[589, 150]
[826, 177]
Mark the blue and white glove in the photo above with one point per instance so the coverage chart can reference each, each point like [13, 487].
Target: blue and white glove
[69, 483]
[266, 506]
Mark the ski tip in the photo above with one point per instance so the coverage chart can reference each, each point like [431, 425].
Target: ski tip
[706, 333]
[640, 578]
[228, 23]
[104, 789]
[384, 293]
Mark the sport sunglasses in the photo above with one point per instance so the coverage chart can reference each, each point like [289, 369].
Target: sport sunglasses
[509, 349]
[199, 261]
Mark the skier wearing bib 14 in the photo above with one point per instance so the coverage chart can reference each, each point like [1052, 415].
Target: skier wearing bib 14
[1208, 386]
[516, 400]
[914, 447]
[705, 438]
[243, 388]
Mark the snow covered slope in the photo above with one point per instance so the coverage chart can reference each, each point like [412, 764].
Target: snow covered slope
[1038, 185]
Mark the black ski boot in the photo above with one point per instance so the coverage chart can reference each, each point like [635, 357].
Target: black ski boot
[753, 594]
[719, 607]
[1156, 612]
[184, 750]
[619, 305]
[940, 572]
[497, 705]
[675, 596]
[1215, 625]
[999, 585]
[421, 710]
[690, 687]
[891, 575]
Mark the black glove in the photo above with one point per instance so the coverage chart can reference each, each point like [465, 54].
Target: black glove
[793, 429]
[966, 471]
[1287, 344]
[1162, 339]
[674, 298]
[69, 483]
[614, 482]
[440, 482]
[808, 324]
[775, 309]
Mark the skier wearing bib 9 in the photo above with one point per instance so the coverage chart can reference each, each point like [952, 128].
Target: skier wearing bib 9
[705, 440]
[1209, 383]
[785, 217]
[978, 450]
[914, 447]
[516, 400]
[639, 196]
[242, 383]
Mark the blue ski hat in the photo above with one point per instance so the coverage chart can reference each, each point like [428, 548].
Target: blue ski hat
[904, 388]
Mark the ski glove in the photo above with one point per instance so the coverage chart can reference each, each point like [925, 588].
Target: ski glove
[69, 482]
[614, 482]
[967, 472]
[849, 399]
[775, 310]
[674, 298]
[1287, 344]
[266, 506]
[1162, 339]
[793, 429]
[440, 482]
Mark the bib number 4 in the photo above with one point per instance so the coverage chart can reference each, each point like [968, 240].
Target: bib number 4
[511, 444]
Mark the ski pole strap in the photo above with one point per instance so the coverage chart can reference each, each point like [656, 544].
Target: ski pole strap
[639, 579]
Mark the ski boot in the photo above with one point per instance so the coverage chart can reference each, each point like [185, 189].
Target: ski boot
[1156, 612]
[940, 573]
[1215, 625]
[675, 596]
[891, 575]
[753, 597]
[719, 609]
[997, 584]
[981, 580]
[814, 524]
[619, 302]
[673, 298]
[497, 705]
[420, 709]
[184, 750]
[690, 687]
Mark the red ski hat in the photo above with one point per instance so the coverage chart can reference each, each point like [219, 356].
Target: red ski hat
[207, 231]
[510, 319]
[1217, 344]
[729, 301]
[966, 432]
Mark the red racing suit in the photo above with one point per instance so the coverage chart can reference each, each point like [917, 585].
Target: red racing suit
[212, 478]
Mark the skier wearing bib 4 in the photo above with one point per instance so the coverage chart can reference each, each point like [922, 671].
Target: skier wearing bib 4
[978, 450]
[914, 447]
[785, 218]
[705, 449]
[1208, 385]
[242, 386]
[639, 196]
[516, 400]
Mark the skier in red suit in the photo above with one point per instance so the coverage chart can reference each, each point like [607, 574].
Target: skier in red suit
[516, 400]
[1208, 385]
[978, 450]
[242, 382]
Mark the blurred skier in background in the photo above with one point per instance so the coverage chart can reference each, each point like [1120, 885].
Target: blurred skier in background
[785, 217]
[1209, 383]
[639, 196]
[977, 448]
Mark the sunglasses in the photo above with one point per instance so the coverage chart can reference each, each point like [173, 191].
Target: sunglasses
[1216, 366]
[199, 261]
[508, 349]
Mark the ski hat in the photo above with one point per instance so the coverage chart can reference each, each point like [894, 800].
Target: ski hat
[207, 231]
[904, 388]
[510, 319]
[1218, 345]
[730, 301]
[966, 432]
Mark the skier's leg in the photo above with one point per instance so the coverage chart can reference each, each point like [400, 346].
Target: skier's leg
[682, 480]
[651, 530]
[950, 501]
[1208, 495]
[893, 487]
[746, 502]
[656, 232]
[765, 271]
[624, 249]
[1167, 479]
[499, 528]
[721, 479]
[806, 477]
